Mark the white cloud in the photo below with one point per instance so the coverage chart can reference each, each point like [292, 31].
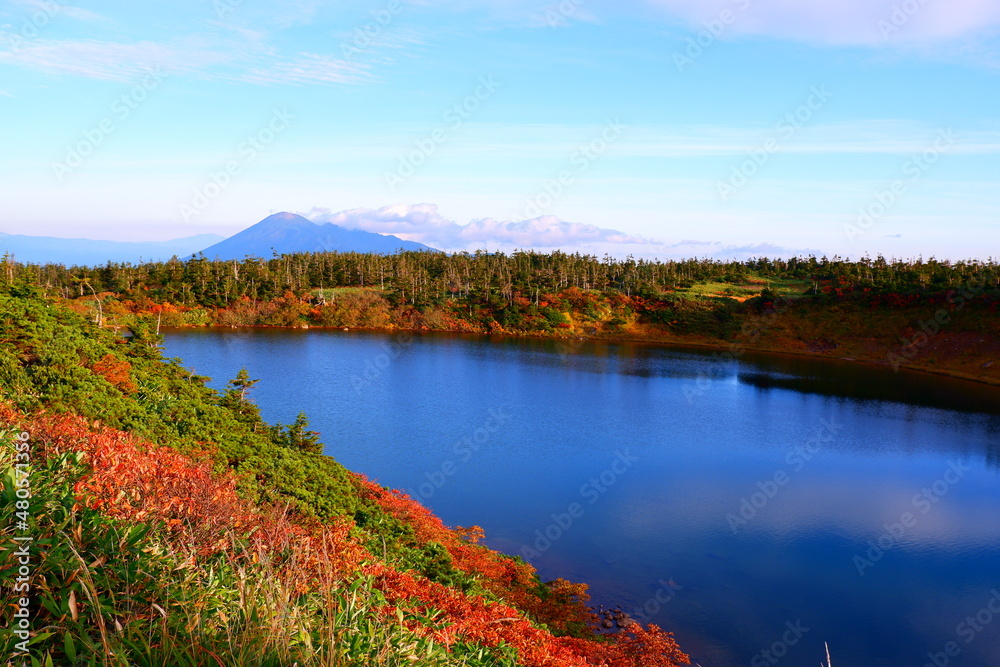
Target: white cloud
[308, 68]
[295, 12]
[762, 250]
[117, 61]
[384, 48]
[41, 12]
[81, 14]
[93, 59]
[424, 224]
[846, 22]
[716, 250]
[889, 137]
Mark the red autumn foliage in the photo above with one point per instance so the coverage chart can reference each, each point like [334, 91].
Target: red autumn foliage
[136, 481]
[513, 582]
[116, 371]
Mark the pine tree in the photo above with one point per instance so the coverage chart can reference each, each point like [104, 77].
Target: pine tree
[300, 437]
[236, 400]
[297, 435]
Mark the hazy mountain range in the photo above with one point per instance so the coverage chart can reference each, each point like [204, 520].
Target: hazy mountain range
[368, 231]
[279, 233]
[88, 252]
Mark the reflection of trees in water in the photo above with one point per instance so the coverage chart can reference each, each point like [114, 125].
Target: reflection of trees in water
[993, 455]
[978, 405]
[926, 391]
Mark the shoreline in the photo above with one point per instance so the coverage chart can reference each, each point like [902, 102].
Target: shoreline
[650, 340]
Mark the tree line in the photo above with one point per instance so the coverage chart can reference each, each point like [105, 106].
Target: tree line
[429, 278]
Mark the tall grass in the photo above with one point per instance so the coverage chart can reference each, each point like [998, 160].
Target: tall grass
[112, 594]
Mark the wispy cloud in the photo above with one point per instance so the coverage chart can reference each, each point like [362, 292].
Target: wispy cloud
[847, 22]
[290, 13]
[891, 137]
[543, 148]
[690, 243]
[50, 7]
[308, 68]
[98, 60]
[762, 250]
[384, 48]
[718, 250]
[245, 62]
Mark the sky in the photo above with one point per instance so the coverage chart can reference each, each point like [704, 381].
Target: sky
[657, 128]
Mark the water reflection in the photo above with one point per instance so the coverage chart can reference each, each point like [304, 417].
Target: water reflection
[736, 447]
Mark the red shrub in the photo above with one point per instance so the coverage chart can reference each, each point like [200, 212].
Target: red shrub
[137, 481]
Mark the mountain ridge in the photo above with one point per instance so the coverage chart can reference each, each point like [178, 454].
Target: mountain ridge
[285, 233]
[279, 233]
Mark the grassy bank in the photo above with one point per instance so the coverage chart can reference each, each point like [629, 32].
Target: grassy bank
[167, 524]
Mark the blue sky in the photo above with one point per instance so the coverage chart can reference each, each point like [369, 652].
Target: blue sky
[653, 127]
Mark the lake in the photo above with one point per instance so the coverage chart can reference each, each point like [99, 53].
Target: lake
[757, 507]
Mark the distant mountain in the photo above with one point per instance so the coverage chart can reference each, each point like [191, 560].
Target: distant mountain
[88, 252]
[284, 233]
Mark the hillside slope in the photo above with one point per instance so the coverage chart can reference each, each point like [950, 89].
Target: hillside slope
[167, 524]
[283, 233]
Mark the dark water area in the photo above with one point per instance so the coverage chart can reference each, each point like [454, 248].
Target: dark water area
[757, 508]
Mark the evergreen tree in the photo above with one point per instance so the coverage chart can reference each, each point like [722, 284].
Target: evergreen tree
[297, 436]
[235, 399]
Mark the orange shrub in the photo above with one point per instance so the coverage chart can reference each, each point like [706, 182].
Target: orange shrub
[116, 371]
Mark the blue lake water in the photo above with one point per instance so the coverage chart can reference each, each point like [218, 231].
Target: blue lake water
[756, 508]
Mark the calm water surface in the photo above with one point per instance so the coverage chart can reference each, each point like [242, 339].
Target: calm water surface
[772, 504]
